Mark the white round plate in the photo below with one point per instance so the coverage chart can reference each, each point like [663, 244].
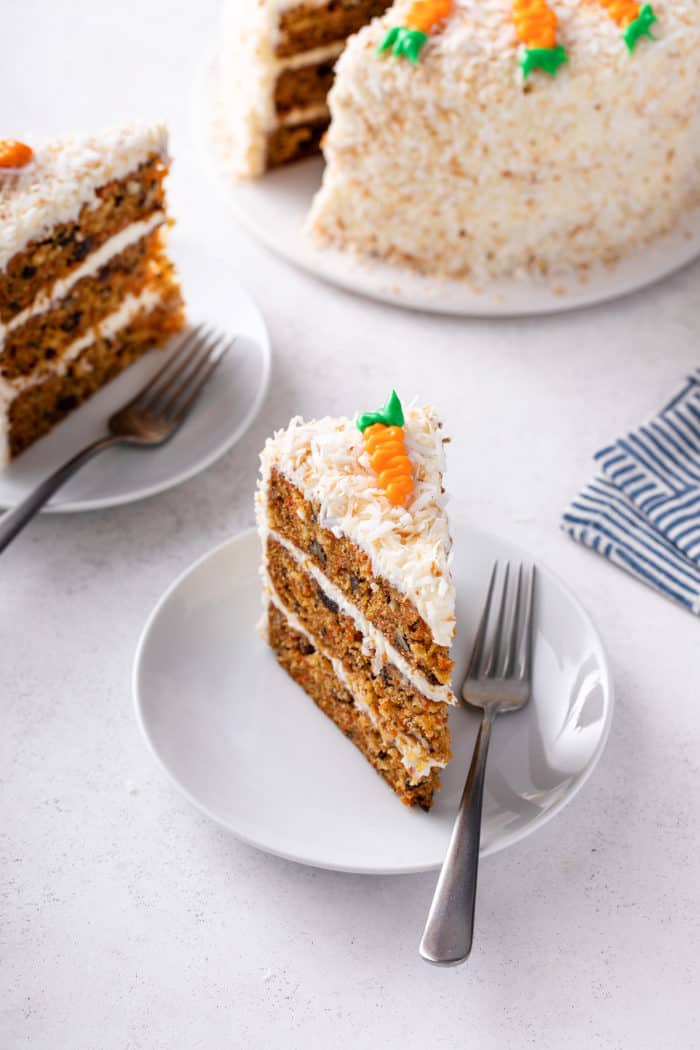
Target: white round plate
[250, 748]
[274, 209]
[223, 413]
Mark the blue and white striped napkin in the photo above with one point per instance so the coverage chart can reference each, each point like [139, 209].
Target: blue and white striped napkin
[643, 511]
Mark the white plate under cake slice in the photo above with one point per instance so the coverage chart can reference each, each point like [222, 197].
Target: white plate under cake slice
[245, 744]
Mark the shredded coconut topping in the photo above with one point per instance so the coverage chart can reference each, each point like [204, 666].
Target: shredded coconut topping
[459, 166]
[64, 176]
[408, 546]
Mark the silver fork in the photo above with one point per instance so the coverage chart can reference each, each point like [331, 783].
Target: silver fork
[148, 420]
[497, 681]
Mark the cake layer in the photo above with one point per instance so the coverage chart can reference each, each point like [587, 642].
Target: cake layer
[90, 266]
[294, 141]
[316, 675]
[42, 262]
[311, 25]
[48, 332]
[350, 569]
[396, 704]
[382, 648]
[304, 86]
[29, 407]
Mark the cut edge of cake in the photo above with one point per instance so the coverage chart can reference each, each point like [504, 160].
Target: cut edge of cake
[358, 599]
[85, 285]
[481, 157]
[277, 62]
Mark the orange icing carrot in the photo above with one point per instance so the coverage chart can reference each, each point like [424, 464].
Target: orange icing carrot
[535, 23]
[14, 154]
[387, 454]
[424, 15]
[621, 11]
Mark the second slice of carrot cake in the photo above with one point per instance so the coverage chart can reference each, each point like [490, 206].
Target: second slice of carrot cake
[86, 286]
[359, 604]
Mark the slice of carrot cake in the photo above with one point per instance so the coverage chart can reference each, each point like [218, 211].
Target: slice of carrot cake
[359, 604]
[85, 285]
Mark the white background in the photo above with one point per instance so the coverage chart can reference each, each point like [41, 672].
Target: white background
[128, 921]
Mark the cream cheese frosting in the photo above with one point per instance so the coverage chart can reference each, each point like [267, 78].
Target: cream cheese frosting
[302, 114]
[65, 175]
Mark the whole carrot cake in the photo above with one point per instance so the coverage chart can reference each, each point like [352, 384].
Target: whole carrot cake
[85, 284]
[477, 139]
[359, 604]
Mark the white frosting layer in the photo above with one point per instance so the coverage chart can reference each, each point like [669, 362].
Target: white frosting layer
[302, 114]
[415, 759]
[310, 58]
[9, 389]
[88, 268]
[64, 176]
[375, 645]
[410, 546]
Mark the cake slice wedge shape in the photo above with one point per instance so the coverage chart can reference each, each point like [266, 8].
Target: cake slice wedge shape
[86, 285]
[358, 597]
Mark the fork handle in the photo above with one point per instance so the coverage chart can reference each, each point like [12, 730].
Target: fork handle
[13, 521]
[447, 938]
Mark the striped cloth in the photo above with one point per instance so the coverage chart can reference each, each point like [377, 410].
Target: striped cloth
[643, 511]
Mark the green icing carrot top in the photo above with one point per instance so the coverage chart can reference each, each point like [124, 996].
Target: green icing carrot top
[391, 415]
[423, 18]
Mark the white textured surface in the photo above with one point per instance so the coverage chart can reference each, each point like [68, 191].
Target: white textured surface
[131, 923]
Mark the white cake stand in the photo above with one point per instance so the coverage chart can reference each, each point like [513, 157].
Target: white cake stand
[274, 209]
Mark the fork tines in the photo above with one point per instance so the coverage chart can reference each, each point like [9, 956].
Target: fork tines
[503, 644]
[175, 386]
